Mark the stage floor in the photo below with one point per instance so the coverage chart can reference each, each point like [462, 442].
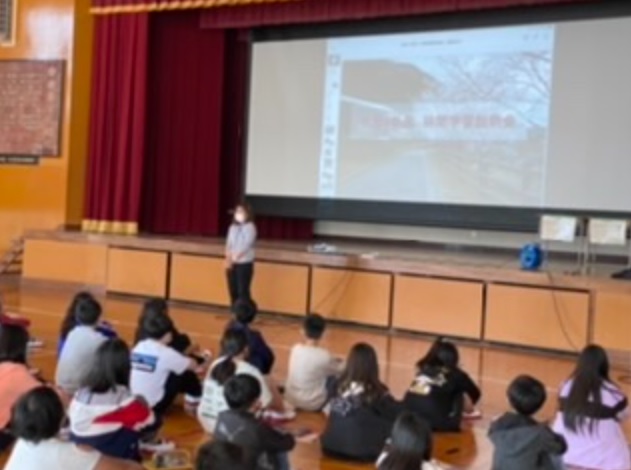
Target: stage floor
[492, 368]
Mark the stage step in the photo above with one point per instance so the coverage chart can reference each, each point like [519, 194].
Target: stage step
[11, 262]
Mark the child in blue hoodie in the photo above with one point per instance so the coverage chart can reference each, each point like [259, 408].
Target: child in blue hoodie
[260, 354]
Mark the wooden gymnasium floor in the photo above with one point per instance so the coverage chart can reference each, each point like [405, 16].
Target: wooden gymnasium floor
[493, 368]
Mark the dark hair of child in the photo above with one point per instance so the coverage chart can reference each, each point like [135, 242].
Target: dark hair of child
[362, 367]
[220, 455]
[70, 320]
[111, 367]
[151, 308]
[241, 392]
[13, 344]
[526, 395]
[38, 415]
[410, 444]
[233, 344]
[314, 326]
[245, 311]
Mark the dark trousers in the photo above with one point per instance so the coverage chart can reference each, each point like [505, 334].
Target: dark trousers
[188, 384]
[239, 281]
[6, 440]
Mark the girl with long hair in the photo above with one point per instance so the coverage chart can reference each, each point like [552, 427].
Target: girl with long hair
[591, 407]
[362, 411]
[441, 392]
[409, 446]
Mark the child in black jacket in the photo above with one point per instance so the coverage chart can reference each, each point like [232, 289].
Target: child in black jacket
[521, 443]
[265, 448]
[362, 411]
[441, 392]
[260, 354]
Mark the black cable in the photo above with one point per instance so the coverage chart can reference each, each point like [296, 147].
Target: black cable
[557, 310]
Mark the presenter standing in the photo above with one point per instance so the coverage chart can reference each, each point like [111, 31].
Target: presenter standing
[240, 253]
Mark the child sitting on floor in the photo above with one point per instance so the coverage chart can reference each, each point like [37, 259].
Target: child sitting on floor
[265, 447]
[7, 318]
[160, 373]
[15, 377]
[180, 341]
[70, 321]
[104, 414]
[521, 443]
[409, 446]
[362, 410]
[441, 392]
[231, 362]
[260, 355]
[80, 347]
[36, 421]
[311, 367]
[591, 410]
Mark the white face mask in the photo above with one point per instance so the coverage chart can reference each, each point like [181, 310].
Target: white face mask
[239, 217]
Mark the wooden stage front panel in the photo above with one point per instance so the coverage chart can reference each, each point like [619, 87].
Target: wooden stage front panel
[438, 306]
[442, 293]
[277, 287]
[137, 272]
[65, 261]
[540, 317]
[199, 279]
[612, 321]
[350, 295]
[281, 288]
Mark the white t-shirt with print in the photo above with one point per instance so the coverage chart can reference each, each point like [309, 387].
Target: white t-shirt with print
[213, 401]
[152, 362]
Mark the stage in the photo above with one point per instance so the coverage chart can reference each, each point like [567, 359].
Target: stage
[476, 296]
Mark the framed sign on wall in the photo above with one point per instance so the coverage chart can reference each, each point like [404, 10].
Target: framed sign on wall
[31, 106]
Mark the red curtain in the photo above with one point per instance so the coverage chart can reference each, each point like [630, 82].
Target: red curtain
[237, 61]
[195, 130]
[184, 127]
[117, 124]
[313, 11]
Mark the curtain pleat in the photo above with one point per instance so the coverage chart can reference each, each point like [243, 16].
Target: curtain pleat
[117, 124]
[184, 127]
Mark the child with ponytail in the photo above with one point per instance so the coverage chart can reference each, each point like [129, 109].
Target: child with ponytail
[232, 361]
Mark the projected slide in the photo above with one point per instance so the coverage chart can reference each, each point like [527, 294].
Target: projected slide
[455, 117]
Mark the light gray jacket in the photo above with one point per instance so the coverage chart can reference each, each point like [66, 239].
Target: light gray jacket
[241, 239]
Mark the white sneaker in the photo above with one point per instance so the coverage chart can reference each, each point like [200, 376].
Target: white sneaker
[159, 445]
[273, 415]
[35, 343]
[191, 400]
[207, 355]
[475, 414]
[191, 404]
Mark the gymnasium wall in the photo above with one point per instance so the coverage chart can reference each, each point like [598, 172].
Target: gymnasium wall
[51, 194]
